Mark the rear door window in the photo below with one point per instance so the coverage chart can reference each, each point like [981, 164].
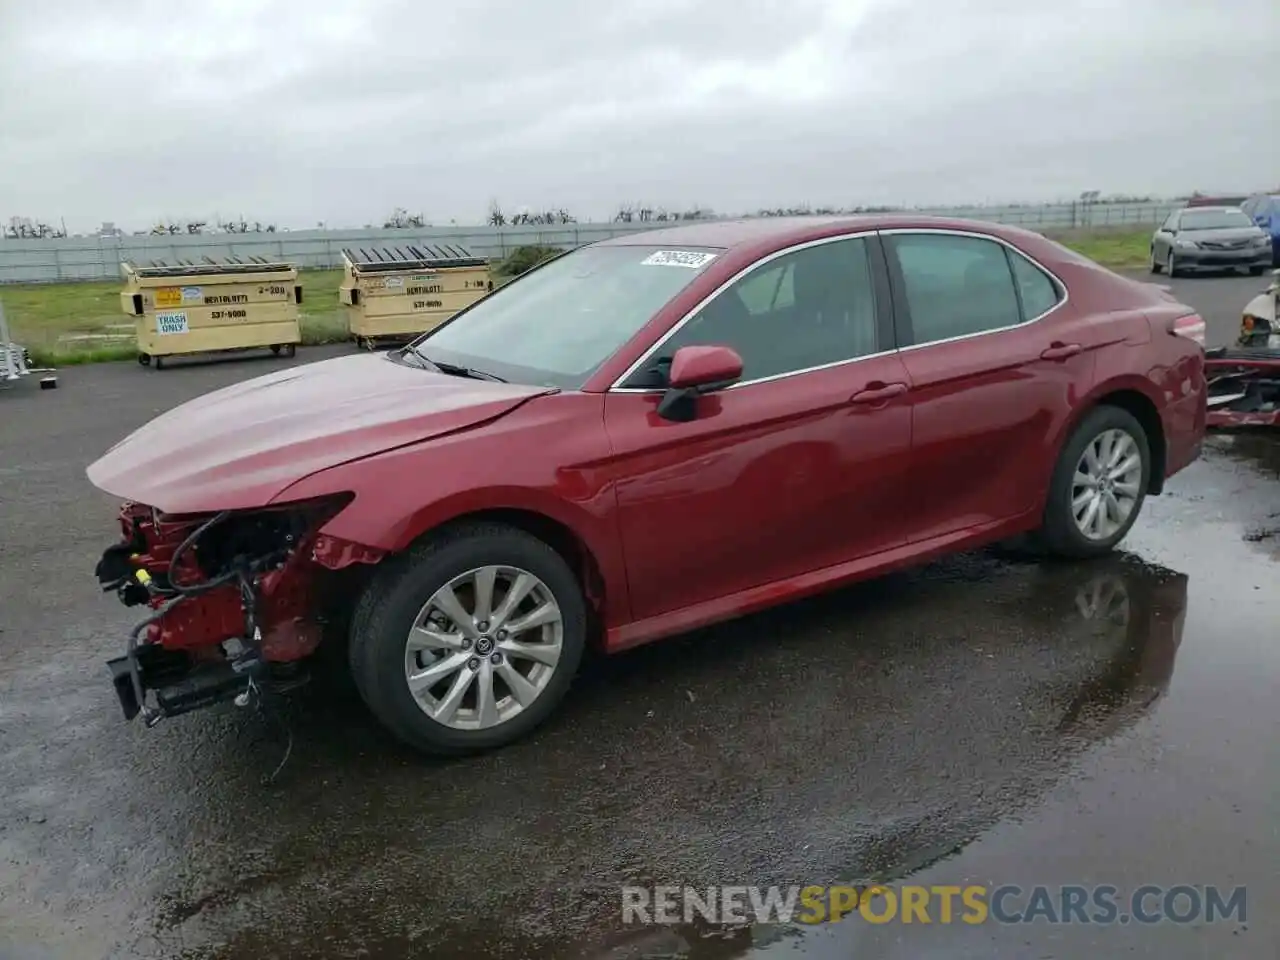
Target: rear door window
[957, 286]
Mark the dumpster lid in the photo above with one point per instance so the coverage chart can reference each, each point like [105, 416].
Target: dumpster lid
[206, 266]
[411, 257]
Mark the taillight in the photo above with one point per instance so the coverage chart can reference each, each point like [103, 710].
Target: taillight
[1190, 326]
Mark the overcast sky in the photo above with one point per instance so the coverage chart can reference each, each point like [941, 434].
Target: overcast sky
[308, 111]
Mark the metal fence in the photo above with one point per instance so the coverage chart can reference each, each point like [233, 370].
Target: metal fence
[98, 258]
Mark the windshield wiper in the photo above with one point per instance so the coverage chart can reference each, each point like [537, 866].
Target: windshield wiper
[458, 370]
[415, 359]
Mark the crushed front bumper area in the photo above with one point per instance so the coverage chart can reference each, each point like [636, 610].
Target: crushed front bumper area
[1244, 386]
[230, 604]
[177, 683]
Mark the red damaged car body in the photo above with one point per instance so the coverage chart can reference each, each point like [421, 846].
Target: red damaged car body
[644, 436]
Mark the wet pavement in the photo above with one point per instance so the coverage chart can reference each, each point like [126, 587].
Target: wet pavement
[980, 720]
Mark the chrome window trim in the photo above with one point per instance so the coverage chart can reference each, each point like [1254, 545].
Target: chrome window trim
[750, 268]
[891, 231]
[1058, 281]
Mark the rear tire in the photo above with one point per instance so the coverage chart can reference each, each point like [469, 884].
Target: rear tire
[1067, 510]
[1256, 271]
[387, 645]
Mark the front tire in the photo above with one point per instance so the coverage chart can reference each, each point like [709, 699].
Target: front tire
[470, 640]
[1171, 264]
[1154, 264]
[1098, 485]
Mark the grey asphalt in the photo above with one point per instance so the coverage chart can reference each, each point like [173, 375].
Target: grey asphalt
[979, 720]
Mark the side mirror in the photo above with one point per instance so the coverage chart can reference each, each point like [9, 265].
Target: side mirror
[697, 370]
[705, 368]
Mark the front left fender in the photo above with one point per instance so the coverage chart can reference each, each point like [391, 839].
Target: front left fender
[545, 459]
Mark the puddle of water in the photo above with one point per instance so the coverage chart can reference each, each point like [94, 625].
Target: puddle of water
[979, 718]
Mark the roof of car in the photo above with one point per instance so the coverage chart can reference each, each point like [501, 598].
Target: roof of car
[725, 234]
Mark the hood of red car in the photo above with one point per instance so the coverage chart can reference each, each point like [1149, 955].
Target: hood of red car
[242, 445]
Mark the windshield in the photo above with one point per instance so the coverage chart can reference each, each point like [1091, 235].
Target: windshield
[1214, 219]
[558, 324]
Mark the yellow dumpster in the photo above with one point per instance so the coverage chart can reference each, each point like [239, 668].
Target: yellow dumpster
[212, 306]
[397, 293]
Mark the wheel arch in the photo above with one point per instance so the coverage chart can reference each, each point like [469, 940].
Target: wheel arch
[1131, 397]
[557, 534]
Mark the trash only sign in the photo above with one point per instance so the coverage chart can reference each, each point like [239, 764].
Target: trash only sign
[168, 323]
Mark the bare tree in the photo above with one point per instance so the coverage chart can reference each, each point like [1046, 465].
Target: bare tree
[402, 219]
[525, 218]
[24, 228]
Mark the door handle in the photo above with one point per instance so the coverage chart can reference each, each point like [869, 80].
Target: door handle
[877, 394]
[1061, 351]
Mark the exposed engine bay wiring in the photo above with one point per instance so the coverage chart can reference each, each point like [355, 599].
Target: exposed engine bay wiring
[240, 567]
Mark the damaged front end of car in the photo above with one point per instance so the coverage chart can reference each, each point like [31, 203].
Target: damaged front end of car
[1244, 379]
[237, 600]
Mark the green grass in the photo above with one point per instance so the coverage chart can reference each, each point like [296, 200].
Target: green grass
[1117, 249]
[42, 316]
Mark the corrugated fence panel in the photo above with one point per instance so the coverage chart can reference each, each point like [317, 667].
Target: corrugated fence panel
[94, 258]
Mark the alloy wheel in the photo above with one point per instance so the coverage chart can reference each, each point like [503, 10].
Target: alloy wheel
[484, 647]
[1106, 484]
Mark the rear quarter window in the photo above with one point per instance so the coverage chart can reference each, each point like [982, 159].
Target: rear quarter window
[1038, 291]
[955, 285]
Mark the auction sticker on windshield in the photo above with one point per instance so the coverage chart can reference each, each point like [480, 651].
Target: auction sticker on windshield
[167, 323]
[679, 258]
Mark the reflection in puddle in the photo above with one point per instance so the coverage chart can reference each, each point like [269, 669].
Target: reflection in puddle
[859, 736]
[1259, 448]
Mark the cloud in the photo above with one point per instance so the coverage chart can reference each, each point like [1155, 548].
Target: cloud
[297, 112]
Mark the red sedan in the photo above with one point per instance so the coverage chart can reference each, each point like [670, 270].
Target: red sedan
[640, 437]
